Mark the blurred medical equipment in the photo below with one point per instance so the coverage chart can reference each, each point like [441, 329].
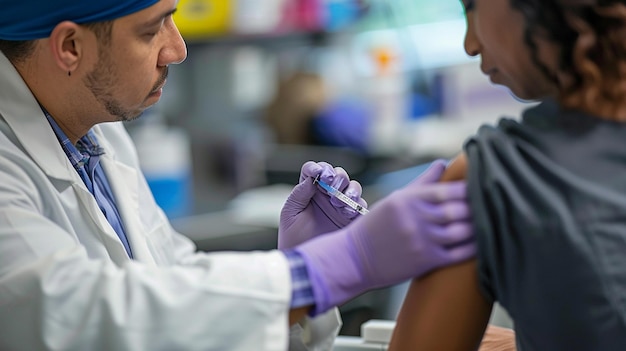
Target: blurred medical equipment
[375, 335]
[341, 196]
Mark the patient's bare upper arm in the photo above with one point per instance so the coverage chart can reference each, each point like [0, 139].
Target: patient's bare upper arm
[445, 309]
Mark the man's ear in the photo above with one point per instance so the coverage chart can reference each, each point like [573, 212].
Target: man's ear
[67, 45]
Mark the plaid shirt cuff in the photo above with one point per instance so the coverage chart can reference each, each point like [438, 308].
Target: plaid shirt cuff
[301, 289]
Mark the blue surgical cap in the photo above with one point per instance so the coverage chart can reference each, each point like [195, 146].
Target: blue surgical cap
[35, 19]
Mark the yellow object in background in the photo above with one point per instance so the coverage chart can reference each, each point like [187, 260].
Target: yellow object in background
[197, 19]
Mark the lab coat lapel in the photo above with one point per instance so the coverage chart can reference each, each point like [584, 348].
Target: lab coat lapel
[114, 246]
[48, 154]
[123, 180]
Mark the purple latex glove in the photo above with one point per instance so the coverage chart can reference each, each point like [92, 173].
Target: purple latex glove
[414, 230]
[309, 210]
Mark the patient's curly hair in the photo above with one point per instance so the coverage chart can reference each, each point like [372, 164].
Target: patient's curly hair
[592, 37]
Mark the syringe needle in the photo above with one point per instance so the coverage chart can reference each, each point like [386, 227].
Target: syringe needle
[341, 196]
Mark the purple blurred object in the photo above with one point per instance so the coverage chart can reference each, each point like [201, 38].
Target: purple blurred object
[343, 123]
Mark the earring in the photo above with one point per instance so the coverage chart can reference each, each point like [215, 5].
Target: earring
[69, 73]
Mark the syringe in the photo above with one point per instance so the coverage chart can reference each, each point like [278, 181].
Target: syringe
[341, 196]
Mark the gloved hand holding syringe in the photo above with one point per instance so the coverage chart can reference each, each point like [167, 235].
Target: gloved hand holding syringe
[341, 196]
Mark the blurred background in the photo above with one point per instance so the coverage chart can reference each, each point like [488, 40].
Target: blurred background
[378, 87]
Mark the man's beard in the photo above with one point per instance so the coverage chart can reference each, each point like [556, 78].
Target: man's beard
[101, 83]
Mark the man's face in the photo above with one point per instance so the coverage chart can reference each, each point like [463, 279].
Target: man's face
[495, 31]
[132, 67]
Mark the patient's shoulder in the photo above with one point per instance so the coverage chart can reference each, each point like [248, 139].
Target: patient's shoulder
[456, 170]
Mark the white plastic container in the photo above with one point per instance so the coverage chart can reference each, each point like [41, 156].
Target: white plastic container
[388, 93]
[165, 159]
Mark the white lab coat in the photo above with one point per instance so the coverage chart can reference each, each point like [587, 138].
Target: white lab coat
[66, 282]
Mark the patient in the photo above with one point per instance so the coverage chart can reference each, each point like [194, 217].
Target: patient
[548, 193]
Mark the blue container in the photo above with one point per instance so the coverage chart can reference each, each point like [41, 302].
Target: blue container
[340, 14]
[172, 194]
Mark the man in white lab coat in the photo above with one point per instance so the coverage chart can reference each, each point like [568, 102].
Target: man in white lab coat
[87, 259]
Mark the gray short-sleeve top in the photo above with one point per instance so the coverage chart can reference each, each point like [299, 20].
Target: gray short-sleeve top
[548, 197]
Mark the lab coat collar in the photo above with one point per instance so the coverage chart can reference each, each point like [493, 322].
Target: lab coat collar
[23, 114]
[124, 184]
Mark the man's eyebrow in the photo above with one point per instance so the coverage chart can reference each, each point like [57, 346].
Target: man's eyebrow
[158, 19]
